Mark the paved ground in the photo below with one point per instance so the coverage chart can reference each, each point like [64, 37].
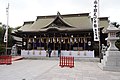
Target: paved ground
[50, 70]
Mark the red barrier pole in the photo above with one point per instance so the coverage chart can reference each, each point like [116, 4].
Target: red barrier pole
[73, 61]
[70, 63]
[67, 61]
[4, 60]
[9, 60]
[62, 59]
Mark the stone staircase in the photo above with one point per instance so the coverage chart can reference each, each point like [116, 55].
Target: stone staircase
[57, 58]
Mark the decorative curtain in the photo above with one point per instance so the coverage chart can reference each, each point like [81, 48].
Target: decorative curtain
[81, 40]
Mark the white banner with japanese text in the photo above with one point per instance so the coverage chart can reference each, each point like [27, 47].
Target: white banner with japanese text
[95, 21]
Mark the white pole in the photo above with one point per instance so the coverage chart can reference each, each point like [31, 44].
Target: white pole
[99, 30]
[7, 13]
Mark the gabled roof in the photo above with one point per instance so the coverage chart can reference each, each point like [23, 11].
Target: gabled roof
[59, 22]
[17, 38]
[81, 21]
[26, 26]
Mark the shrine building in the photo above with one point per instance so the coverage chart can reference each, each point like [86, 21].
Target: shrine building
[68, 32]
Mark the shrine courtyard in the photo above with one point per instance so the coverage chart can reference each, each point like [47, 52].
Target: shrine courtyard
[49, 69]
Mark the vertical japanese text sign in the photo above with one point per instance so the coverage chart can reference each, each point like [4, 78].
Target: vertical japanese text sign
[95, 21]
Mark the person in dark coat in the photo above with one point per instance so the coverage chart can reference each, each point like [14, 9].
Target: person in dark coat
[49, 51]
[59, 52]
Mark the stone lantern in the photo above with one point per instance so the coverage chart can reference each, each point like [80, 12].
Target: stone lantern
[111, 59]
[112, 30]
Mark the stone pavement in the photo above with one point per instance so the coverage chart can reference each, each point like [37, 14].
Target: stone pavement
[50, 70]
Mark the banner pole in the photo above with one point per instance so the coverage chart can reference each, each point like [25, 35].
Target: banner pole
[7, 13]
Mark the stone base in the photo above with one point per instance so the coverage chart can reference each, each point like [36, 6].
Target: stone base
[109, 68]
[111, 61]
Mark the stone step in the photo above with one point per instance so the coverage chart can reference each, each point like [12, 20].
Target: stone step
[57, 58]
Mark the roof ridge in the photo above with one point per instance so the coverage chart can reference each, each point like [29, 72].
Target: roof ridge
[64, 15]
[58, 16]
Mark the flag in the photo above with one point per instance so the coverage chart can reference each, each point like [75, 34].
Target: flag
[95, 20]
[6, 32]
[5, 36]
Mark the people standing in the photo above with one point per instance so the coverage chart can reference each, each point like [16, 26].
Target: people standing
[59, 52]
[49, 51]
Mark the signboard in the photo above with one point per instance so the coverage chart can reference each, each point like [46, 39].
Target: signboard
[95, 21]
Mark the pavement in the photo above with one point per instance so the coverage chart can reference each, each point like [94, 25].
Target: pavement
[27, 69]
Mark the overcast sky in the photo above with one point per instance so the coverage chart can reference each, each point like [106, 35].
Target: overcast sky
[27, 10]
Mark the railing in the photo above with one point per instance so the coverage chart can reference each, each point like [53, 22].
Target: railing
[66, 61]
[6, 60]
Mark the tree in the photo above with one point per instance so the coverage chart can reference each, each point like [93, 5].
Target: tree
[10, 38]
[2, 48]
[117, 43]
[116, 24]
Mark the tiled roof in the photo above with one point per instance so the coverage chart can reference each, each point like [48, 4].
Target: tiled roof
[80, 21]
[26, 26]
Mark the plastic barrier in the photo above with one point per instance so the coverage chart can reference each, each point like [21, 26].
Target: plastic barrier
[6, 60]
[66, 61]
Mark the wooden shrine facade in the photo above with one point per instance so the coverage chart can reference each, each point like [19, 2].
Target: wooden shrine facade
[55, 40]
[67, 32]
